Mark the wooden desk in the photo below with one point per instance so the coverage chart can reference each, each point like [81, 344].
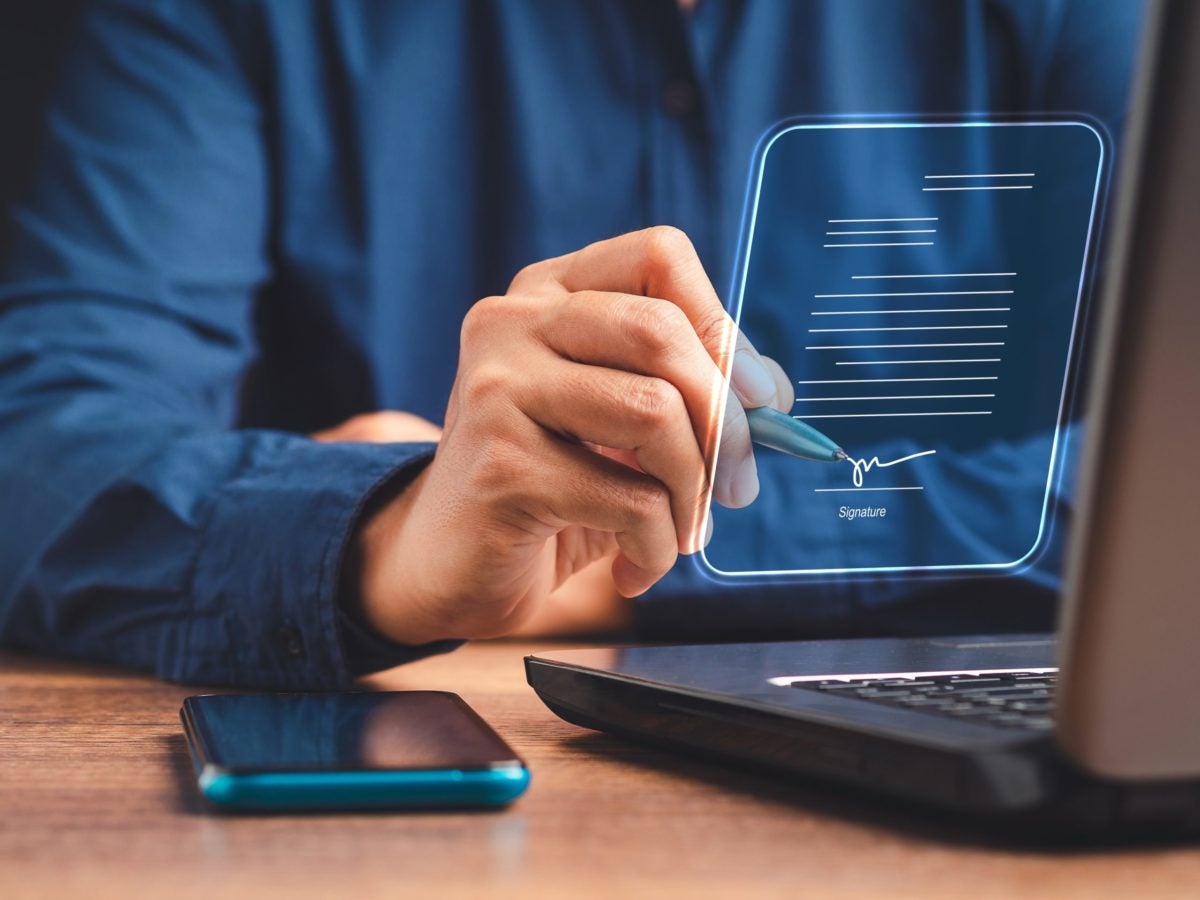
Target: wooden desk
[97, 800]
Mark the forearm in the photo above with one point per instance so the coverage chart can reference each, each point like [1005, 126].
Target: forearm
[140, 529]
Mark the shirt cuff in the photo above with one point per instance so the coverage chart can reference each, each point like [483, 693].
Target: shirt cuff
[266, 583]
[366, 651]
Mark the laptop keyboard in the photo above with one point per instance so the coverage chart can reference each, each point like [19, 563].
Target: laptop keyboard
[1007, 699]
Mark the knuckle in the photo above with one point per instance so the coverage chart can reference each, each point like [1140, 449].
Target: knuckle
[530, 275]
[481, 385]
[657, 327]
[714, 328]
[652, 401]
[481, 318]
[648, 503]
[666, 246]
[500, 470]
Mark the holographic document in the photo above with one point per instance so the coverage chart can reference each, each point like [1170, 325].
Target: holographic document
[922, 284]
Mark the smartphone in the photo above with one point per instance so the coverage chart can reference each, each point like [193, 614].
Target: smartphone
[356, 750]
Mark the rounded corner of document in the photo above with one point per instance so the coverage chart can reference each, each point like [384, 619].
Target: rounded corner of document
[710, 570]
[1098, 129]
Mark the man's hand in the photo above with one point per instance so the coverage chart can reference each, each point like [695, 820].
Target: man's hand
[583, 414]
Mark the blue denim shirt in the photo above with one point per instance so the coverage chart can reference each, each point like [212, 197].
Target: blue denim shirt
[254, 220]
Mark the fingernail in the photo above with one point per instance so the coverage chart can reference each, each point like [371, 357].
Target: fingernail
[752, 382]
[744, 487]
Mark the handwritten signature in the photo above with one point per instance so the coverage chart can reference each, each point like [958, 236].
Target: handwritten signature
[862, 466]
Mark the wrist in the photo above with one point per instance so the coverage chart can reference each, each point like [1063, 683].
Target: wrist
[382, 582]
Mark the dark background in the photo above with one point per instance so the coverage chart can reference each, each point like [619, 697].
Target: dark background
[33, 37]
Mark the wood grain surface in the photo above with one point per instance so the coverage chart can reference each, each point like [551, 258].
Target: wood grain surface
[97, 800]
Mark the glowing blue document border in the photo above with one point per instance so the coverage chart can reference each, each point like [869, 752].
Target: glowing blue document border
[749, 220]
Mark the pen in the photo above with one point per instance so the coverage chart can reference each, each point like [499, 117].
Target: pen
[779, 431]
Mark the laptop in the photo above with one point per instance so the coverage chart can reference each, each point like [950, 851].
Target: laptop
[1094, 729]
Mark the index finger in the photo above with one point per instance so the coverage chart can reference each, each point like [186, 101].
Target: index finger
[657, 262]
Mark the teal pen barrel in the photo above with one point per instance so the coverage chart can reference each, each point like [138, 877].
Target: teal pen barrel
[779, 431]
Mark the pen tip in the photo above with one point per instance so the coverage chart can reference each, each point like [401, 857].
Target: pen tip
[839, 454]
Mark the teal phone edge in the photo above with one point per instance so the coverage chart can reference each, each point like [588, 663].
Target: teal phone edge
[430, 789]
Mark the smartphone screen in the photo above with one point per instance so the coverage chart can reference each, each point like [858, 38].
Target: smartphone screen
[411, 730]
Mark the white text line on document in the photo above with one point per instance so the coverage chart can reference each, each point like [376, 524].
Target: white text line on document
[856, 490]
[911, 362]
[938, 275]
[892, 231]
[891, 244]
[908, 328]
[874, 380]
[979, 412]
[990, 187]
[913, 294]
[906, 312]
[994, 175]
[922, 219]
[894, 397]
[895, 346]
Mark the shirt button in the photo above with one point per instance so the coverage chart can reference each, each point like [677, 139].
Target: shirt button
[680, 98]
[289, 641]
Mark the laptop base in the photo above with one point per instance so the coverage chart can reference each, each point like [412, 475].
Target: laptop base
[1017, 783]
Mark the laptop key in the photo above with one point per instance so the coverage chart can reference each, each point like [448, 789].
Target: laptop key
[1012, 698]
[1032, 706]
[971, 711]
[1013, 720]
[828, 685]
[1006, 700]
